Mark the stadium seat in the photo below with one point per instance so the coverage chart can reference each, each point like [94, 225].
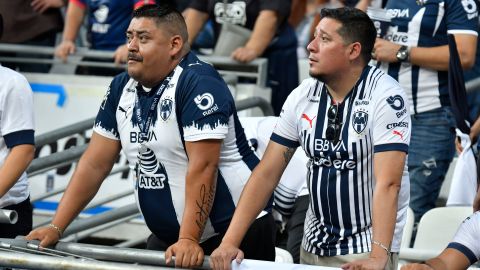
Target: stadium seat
[438, 226]
[408, 229]
[283, 256]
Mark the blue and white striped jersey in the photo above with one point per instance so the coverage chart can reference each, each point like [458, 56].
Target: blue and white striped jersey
[466, 238]
[375, 118]
[196, 105]
[426, 23]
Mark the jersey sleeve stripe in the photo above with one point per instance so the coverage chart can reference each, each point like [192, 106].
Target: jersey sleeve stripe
[283, 141]
[19, 137]
[463, 31]
[465, 250]
[391, 147]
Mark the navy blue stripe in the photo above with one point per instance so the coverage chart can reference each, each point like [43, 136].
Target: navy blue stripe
[223, 206]
[415, 75]
[345, 202]
[443, 88]
[465, 250]
[248, 156]
[19, 137]
[362, 186]
[391, 147]
[356, 199]
[159, 213]
[283, 141]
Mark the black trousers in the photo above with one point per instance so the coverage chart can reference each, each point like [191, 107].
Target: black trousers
[258, 243]
[295, 226]
[24, 222]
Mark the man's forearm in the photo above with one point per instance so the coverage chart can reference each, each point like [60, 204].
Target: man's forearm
[74, 19]
[263, 31]
[385, 200]
[15, 164]
[199, 195]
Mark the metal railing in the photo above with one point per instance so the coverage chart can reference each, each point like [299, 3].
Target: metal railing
[93, 254]
[257, 69]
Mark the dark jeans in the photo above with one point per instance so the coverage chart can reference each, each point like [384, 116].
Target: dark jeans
[295, 226]
[432, 147]
[24, 222]
[258, 243]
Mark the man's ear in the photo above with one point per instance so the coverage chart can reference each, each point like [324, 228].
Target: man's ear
[176, 45]
[355, 50]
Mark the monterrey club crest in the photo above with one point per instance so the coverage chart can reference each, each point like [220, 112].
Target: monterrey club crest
[166, 108]
[359, 121]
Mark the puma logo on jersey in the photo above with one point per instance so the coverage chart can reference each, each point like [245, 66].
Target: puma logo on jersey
[305, 116]
[123, 110]
[398, 133]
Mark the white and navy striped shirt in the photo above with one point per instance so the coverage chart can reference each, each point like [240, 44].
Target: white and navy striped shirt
[426, 23]
[375, 118]
[466, 239]
[196, 105]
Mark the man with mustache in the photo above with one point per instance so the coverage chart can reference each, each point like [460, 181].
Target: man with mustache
[183, 140]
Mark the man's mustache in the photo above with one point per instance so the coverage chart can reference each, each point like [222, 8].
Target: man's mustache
[134, 57]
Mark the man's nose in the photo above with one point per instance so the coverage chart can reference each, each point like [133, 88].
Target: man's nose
[132, 44]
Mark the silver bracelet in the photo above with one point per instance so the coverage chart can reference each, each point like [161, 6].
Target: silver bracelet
[59, 231]
[382, 246]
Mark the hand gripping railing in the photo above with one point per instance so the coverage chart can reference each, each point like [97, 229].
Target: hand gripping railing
[92, 255]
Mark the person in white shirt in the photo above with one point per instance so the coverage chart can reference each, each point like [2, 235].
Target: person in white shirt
[463, 251]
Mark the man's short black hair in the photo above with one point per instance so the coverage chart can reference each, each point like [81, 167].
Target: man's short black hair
[164, 14]
[356, 27]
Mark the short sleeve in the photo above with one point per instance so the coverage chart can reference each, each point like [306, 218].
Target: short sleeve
[466, 238]
[462, 17]
[285, 132]
[80, 3]
[17, 112]
[106, 121]
[391, 126]
[206, 105]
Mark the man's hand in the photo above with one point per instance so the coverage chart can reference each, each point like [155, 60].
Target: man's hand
[47, 235]
[244, 54]
[222, 257]
[187, 252]
[41, 6]
[372, 263]
[64, 49]
[385, 51]
[416, 266]
[120, 55]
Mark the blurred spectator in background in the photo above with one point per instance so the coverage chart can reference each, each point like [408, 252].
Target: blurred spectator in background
[107, 22]
[291, 197]
[28, 22]
[415, 52]
[272, 37]
[462, 252]
[16, 148]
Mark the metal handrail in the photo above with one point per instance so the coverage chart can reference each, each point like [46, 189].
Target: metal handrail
[256, 69]
[8, 216]
[125, 255]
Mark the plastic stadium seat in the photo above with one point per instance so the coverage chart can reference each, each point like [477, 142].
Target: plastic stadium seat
[283, 256]
[408, 229]
[438, 226]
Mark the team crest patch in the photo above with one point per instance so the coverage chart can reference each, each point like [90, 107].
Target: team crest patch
[359, 121]
[166, 108]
